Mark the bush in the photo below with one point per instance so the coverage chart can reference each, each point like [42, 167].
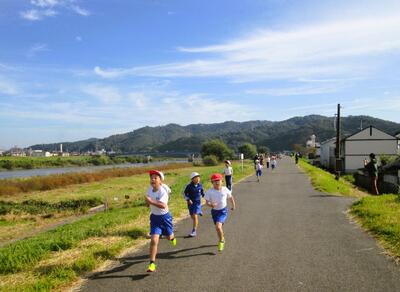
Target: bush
[217, 148]
[248, 150]
[210, 160]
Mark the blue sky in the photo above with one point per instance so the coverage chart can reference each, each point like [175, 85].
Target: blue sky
[75, 69]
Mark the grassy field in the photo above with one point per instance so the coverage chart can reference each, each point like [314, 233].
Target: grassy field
[54, 259]
[10, 163]
[379, 215]
[10, 187]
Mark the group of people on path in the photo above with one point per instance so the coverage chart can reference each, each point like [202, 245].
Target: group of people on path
[271, 161]
[216, 198]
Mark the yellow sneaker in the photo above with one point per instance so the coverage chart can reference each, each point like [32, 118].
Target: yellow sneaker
[221, 245]
[173, 241]
[151, 268]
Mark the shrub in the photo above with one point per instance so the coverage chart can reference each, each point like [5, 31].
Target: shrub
[210, 160]
[217, 148]
[248, 150]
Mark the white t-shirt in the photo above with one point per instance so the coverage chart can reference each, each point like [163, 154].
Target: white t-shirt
[218, 197]
[259, 166]
[228, 170]
[268, 159]
[162, 196]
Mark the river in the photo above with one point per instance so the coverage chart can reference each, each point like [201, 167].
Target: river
[49, 171]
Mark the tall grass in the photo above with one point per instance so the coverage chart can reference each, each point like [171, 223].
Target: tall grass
[9, 187]
[9, 163]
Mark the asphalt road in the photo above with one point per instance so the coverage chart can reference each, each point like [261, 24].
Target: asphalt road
[284, 236]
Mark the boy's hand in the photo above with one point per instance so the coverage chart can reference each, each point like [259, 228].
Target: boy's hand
[189, 202]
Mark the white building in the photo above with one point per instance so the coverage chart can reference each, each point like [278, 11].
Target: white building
[357, 147]
[327, 157]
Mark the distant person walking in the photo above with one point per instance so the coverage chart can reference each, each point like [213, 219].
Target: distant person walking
[274, 163]
[228, 171]
[255, 159]
[268, 161]
[296, 157]
[372, 169]
[258, 170]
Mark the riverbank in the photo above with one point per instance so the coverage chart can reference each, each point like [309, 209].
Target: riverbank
[54, 259]
[20, 163]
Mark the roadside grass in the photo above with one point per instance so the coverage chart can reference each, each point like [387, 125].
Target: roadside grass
[10, 187]
[57, 258]
[325, 182]
[381, 216]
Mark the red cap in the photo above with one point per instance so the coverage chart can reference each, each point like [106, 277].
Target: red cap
[156, 172]
[216, 176]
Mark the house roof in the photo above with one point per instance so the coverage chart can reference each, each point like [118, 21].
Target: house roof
[327, 141]
[346, 138]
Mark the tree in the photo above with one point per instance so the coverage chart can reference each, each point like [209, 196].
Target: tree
[263, 149]
[218, 148]
[248, 150]
[300, 149]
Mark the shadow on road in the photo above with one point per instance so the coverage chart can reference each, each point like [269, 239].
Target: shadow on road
[127, 262]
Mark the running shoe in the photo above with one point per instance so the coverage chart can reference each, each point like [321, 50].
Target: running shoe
[151, 268]
[193, 234]
[221, 245]
[173, 241]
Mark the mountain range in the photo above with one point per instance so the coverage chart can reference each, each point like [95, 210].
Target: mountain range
[173, 139]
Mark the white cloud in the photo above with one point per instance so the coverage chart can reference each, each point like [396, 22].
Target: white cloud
[107, 94]
[45, 3]
[78, 38]
[290, 91]
[35, 49]
[81, 11]
[48, 8]
[8, 88]
[35, 14]
[139, 99]
[330, 50]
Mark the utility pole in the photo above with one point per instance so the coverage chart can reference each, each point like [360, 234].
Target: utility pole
[338, 164]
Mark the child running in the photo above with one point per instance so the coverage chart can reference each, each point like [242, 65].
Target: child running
[160, 218]
[193, 193]
[258, 170]
[228, 171]
[216, 198]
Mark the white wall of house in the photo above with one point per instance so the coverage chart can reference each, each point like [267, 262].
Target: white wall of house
[370, 140]
[327, 151]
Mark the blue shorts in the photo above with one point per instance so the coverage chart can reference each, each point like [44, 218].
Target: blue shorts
[195, 208]
[219, 215]
[259, 172]
[161, 224]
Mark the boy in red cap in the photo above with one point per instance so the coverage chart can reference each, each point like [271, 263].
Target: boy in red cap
[216, 198]
[160, 218]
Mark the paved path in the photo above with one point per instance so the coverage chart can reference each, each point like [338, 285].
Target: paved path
[284, 236]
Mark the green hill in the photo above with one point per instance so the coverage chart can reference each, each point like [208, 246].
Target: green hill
[175, 139]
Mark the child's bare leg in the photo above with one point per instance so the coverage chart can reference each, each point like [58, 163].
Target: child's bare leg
[195, 219]
[153, 246]
[170, 237]
[220, 232]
